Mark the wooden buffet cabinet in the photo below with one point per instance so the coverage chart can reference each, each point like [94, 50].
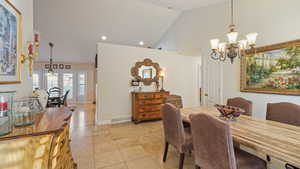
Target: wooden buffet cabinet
[146, 105]
[43, 145]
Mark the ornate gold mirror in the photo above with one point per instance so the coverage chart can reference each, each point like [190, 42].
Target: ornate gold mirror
[146, 71]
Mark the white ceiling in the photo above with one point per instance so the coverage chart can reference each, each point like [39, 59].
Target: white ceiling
[183, 4]
[75, 26]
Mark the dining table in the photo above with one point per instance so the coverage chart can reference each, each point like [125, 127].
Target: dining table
[275, 140]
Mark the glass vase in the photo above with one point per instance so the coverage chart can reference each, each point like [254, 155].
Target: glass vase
[6, 118]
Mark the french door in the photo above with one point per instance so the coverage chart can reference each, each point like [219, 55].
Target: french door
[75, 82]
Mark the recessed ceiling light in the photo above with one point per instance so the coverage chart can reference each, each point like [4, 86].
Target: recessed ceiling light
[141, 43]
[104, 38]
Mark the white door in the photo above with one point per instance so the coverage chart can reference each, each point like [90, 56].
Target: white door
[213, 81]
[82, 87]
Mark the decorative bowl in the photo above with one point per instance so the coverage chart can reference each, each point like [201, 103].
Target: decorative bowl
[229, 112]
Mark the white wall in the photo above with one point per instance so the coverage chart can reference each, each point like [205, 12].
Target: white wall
[25, 88]
[275, 21]
[115, 62]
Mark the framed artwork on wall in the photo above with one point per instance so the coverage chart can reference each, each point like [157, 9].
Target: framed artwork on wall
[61, 66]
[68, 66]
[273, 69]
[55, 66]
[10, 43]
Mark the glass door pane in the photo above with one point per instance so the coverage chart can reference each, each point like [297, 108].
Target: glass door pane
[52, 80]
[82, 83]
[68, 84]
[36, 81]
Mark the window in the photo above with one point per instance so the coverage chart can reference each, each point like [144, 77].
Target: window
[52, 80]
[68, 84]
[36, 81]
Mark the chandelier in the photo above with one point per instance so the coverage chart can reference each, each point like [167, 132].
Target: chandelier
[233, 48]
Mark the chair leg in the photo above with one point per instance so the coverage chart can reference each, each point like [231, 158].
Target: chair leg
[181, 160]
[166, 152]
[197, 167]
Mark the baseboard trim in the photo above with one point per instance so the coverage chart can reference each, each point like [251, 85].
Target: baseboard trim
[114, 121]
[121, 120]
[104, 122]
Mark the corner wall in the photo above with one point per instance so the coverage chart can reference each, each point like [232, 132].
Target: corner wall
[25, 88]
[114, 76]
[275, 21]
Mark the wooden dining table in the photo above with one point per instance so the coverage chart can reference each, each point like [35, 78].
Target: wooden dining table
[275, 140]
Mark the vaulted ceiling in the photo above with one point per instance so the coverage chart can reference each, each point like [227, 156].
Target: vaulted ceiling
[183, 4]
[75, 26]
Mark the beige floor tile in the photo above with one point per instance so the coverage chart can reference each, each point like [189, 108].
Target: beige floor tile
[119, 146]
[132, 153]
[103, 147]
[117, 166]
[85, 163]
[107, 159]
[153, 148]
[144, 163]
[127, 142]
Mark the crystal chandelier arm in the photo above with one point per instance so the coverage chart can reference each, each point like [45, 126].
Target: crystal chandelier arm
[223, 56]
[215, 54]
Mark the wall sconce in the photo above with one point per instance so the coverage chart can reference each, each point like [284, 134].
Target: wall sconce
[31, 51]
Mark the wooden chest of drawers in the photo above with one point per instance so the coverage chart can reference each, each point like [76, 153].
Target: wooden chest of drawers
[146, 105]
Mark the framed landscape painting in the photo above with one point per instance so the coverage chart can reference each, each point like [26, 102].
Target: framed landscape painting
[10, 43]
[272, 69]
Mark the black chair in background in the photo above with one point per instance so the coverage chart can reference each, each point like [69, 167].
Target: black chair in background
[64, 99]
[54, 99]
[55, 92]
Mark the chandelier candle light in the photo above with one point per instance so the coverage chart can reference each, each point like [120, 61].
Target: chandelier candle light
[233, 48]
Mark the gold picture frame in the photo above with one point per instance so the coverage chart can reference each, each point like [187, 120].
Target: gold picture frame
[10, 61]
[278, 71]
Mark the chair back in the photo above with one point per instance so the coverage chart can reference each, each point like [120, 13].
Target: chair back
[175, 100]
[241, 103]
[55, 92]
[284, 112]
[172, 124]
[65, 97]
[212, 140]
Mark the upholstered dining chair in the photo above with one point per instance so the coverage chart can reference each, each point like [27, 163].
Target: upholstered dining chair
[241, 103]
[174, 132]
[213, 146]
[284, 112]
[175, 100]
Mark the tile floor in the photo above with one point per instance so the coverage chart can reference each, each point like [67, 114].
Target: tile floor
[119, 146]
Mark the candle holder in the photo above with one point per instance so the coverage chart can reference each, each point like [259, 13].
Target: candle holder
[6, 118]
[31, 52]
[162, 75]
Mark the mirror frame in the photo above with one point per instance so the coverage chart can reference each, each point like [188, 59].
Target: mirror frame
[146, 62]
